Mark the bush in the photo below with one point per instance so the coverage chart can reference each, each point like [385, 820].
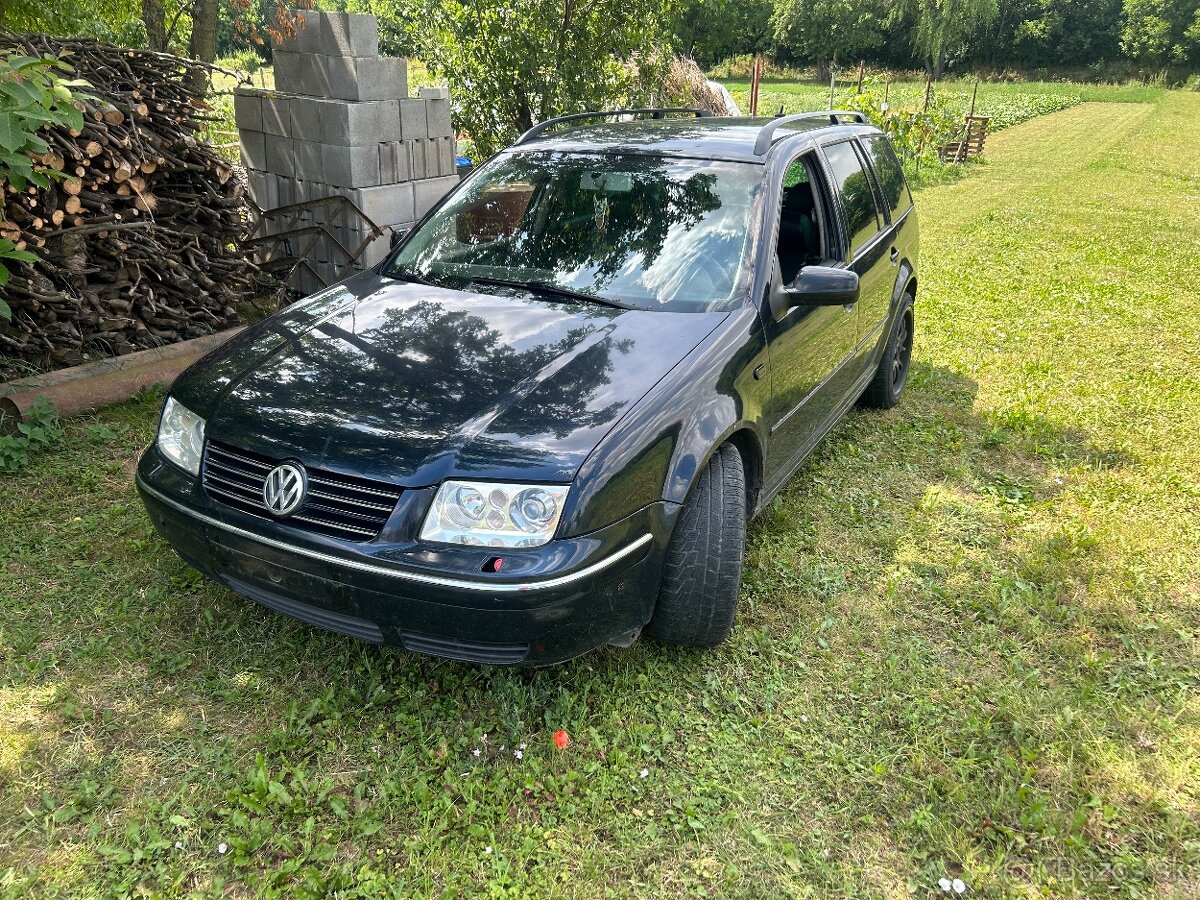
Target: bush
[39, 430]
[1022, 107]
[915, 133]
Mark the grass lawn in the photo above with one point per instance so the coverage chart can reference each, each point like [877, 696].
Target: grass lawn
[967, 645]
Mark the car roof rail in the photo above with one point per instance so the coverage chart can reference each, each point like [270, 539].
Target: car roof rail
[654, 112]
[763, 142]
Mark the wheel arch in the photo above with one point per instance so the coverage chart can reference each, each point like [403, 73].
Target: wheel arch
[750, 448]
[906, 281]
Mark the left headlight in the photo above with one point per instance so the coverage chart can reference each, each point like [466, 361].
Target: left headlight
[489, 514]
[181, 436]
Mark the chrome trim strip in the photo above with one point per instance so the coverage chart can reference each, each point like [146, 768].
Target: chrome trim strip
[405, 574]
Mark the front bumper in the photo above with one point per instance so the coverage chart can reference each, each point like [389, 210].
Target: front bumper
[553, 602]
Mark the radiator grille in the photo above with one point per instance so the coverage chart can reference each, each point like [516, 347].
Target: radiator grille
[337, 505]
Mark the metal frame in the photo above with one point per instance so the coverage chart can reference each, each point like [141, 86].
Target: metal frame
[763, 142]
[654, 112]
[282, 238]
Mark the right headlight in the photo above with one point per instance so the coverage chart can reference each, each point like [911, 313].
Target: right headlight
[181, 436]
[491, 514]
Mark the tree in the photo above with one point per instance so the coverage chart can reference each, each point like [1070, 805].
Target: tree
[828, 31]
[154, 18]
[1077, 33]
[513, 63]
[117, 21]
[710, 31]
[943, 29]
[203, 42]
[1160, 33]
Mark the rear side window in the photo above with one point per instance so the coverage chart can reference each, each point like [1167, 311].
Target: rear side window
[851, 180]
[891, 176]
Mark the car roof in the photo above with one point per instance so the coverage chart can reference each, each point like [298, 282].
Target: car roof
[708, 137]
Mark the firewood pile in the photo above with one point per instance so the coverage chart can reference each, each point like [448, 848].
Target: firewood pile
[138, 245]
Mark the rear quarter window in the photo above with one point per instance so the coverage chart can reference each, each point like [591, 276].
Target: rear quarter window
[857, 196]
[891, 175]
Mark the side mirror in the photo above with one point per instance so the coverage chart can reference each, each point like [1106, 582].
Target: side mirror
[823, 286]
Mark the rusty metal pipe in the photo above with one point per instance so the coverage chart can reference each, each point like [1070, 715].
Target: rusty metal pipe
[93, 385]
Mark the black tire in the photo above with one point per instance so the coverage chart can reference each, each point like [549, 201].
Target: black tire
[703, 572]
[888, 384]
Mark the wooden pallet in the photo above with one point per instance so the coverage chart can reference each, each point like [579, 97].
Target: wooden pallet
[974, 136]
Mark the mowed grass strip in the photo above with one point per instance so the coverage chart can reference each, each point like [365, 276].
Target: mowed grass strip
[967, 645]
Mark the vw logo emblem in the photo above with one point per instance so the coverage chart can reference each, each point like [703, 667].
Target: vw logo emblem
[284, 489]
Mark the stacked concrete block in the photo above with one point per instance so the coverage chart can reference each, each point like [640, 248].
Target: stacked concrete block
[340, 122]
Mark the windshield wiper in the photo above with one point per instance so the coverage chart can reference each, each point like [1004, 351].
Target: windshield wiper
[409, 275]
[549, 287]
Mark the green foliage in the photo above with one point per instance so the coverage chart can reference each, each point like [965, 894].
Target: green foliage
[942, 30]
[713, 30]
[39, 430]
[511, 64]
[1039, 33]
[34, 93]
[114, 21]
[829, 31]
[915, 133]
[1022, 107]
[1161, 32]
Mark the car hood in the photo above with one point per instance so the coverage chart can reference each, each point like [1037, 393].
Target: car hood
[412, 383]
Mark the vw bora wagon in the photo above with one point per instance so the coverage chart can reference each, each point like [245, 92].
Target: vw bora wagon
[542, 424]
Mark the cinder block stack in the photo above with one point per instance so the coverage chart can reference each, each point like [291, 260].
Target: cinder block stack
[340, 121]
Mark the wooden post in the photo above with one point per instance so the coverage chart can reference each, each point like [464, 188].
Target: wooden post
[974, 94]
[928, 89]
[861, 64]
[832, 83]
[755, 78]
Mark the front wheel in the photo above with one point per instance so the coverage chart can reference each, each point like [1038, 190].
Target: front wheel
[702, 576]
[885, 388]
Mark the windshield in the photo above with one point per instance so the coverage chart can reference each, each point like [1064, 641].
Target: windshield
[641, 231]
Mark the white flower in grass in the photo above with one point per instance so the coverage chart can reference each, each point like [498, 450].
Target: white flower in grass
[958, 885]
[645, 773]
[476, 751]
[523, 746]
[804, 718]
[518, 754]
[179, 845]
[487, 850]
[222, 848]
[944, 884]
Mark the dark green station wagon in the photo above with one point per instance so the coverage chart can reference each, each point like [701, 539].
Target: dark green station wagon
[542, 425]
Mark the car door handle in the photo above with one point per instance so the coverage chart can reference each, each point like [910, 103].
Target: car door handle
[894, 255]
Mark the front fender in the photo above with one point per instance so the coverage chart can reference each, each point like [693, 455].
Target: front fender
[657, 450]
